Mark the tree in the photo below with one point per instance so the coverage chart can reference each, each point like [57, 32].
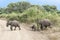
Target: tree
[18, 7]
[50, 8]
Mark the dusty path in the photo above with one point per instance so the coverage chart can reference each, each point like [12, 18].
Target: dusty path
[23, 34]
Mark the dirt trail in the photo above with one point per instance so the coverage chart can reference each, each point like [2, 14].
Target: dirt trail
[23, 34]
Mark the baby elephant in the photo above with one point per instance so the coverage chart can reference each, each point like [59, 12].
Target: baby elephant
[45, 23]
[33, 27]
[12, 24]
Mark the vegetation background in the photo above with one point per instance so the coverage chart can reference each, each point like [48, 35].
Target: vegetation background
[26, 12]
[29, 13]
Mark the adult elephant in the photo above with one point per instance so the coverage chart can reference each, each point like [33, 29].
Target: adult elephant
[45, 23]
[12, 24]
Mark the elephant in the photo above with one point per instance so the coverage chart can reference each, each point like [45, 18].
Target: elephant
[33, 27]
[45, 23]
[13, 23]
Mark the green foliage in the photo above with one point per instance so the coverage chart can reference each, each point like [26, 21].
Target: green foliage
[18, 7]
[26, 12]
[49, 8]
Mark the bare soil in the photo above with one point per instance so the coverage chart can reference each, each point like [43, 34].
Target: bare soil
[26, 34]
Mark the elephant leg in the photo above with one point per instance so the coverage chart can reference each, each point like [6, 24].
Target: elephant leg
[34, 29]
[11, 28]
[15, 28]
[19, 28]
[45, 27]
[42, 27]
